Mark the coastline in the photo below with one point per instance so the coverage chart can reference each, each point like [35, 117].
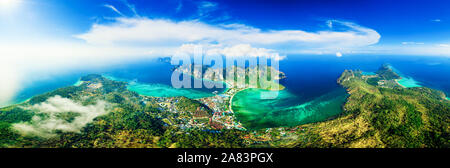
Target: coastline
[231, 100]
[408, 82]
[78, 83]
[232, 96]
[398, 83]
[7, 104]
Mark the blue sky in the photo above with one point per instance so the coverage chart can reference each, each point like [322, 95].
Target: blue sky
[287, 27]
[396, 21]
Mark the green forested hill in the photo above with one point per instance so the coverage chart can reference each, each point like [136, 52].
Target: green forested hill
[102, 113]
[385, 117]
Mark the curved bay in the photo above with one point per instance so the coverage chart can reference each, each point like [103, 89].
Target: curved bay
[285, 110]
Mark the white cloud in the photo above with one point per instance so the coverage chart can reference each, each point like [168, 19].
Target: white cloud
[407, 50]
[412, 43]
[113, 9]
[206, 7]
[330, 24]
[207, 4]
[179, 6]
[436, 20]
[239, 50]
[27, 56]
[127, 30]
[131, 7]
[246, 50]
[53, 108]
[338, 54]
[24, 63]
[9, 84]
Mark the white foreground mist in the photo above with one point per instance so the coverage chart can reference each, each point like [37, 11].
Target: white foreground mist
[48, 117]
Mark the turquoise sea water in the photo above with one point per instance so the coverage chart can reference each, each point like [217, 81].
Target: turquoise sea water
[368, 73]
[285, 110]
[161, 90]
[78, 83]
[406, 81]
[165, 90]
[409, 82]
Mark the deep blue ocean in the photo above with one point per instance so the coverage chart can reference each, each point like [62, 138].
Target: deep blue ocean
[308, 77]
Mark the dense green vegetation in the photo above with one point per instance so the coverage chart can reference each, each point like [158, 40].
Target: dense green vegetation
[194, 107]
[131, 123]
[66, 92]
[385, 117]
[9, 115]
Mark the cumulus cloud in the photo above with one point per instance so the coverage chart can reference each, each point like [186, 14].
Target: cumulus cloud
[235, 51]
[247, 50]
[50, 118]
[127, 30]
